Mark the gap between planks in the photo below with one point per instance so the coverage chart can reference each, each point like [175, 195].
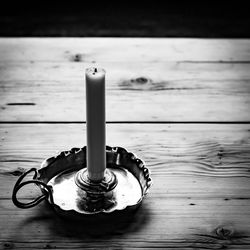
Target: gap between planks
[128, 122]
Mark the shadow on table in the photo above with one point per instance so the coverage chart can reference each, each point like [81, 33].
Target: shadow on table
[106, 227]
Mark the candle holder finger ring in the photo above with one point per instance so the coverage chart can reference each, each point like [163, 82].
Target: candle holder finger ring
[64, 183]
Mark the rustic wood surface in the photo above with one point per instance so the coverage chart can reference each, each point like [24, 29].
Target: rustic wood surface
[181, 105]
[135, 92]
[194, 79]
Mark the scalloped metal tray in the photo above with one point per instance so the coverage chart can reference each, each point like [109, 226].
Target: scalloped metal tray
[56, 178]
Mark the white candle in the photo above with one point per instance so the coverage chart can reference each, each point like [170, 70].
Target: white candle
[95, 119]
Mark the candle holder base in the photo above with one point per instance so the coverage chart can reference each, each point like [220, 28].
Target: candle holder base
[65, 185]
[108, 183]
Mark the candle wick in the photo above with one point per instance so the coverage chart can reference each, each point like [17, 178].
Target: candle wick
[95, 70]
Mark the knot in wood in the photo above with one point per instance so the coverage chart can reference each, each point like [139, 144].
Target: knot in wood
[18, 172]
[141, 80]
[77, 58]
[140, 83]
[224, 232]
[8, 245]
[220, 153]
[48, 246]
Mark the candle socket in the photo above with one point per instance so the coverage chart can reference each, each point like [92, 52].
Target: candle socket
[101, 187]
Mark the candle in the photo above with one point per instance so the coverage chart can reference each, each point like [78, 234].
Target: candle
[95, 119]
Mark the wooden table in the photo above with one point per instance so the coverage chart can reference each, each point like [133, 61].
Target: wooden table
[182, 105]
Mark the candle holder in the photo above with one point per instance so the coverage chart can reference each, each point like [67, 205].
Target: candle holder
[64, 183]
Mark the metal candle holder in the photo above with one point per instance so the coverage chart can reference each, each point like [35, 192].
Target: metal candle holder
[109, 181]
[65, 185]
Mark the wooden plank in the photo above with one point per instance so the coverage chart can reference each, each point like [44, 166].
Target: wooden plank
[217, 150]
[178, 225]
[153, 91]
[200, 197]
[123, 49]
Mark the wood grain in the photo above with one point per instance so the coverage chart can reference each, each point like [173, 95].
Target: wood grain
[123, 49]
[200, 197]
[163, 91]
[206, 150]
[211, 224]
